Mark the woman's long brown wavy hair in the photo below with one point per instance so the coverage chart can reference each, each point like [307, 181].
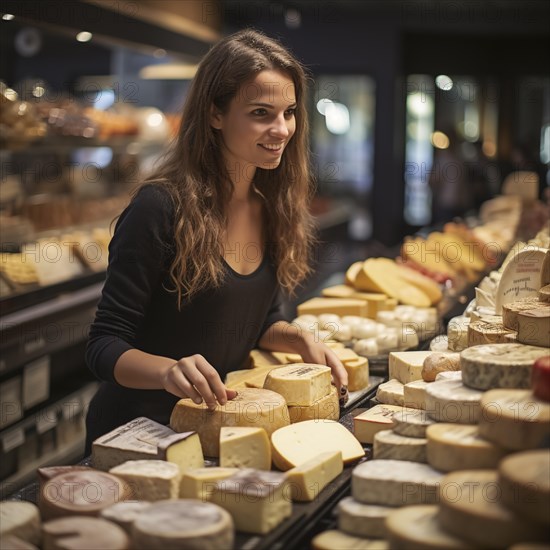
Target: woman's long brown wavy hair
[195, 174]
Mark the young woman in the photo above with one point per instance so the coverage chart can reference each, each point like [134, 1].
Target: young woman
[200, 258]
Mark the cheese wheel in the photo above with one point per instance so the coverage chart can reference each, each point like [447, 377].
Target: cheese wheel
[411, 423]
[295, 444]
[391, 446]
[395, 483]
[183, 523]
[11, 542]
[20, 519]
[511, 310]
[78, 533]
[534, 326]
[449, 375]
[451, 401]
[81, 493]
[150, 480]
[46, 473]
[459, 447]
[300, 383]
[457, 333]
[499, 365]
[257, 500]
[374, 420]
[440, 343]
[544, 294]
[406, 366]
[245, 447]
[329, 540]
[439, 362]
[484, 332]
[524, 479]
[362, 520]
[514, 419]
[541, 378]
[414, 394]
[391, 392]
[471, 508]
[124, 513]
[327, 407]
[417, 527]
[252, 407]
[199, 483]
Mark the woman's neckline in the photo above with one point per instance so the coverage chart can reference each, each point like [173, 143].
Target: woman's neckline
[245, 275]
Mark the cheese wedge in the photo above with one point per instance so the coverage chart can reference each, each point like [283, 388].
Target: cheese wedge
[244, 447]
[199, 483]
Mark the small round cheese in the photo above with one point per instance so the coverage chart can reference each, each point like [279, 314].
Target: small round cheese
[362, 520]
[330, 540]
[439, 343]
[411, 423]
[366, 347]
[451, 401]
[20, 519]
[366, 329]
[392, 446]
[124, 513]
[329, 321]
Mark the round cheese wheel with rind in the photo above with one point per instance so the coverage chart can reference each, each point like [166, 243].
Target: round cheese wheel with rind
[452, 401]
[471, 507]
[81, 493]
[80, 533]
[524, 479]
[391, 392]
[184, 523]
[124, 513]
[252, 407]
[395, 483]
[412, 527]
[411, 423]
[511, 310]
[544, 294]
[391, 446]
[499, 365]
[362, 520]
[332, 539]
[20, 519]
[449, 375]
[459, 447]
[514, 419]
[485, 332]
[295, 444]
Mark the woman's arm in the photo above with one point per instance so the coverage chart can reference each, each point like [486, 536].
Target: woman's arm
[282, 336]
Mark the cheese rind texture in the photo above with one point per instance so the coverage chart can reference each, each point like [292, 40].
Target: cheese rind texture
[20, 519]
[295, 444]
[373, 420]
[451, 401]
[395, 483]
[411, 423]
[124, 513]
[391, 392]
[334, 538]
[362, 520]
[414, 394]
[183, 523]
[392, 446]
[252, 407]
[406, 366]
[499, 365]
[245, 447]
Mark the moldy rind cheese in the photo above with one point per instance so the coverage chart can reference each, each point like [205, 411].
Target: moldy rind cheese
[252, 407]
[451, 401]
[392, 446]
[300, 383]
[499, 365]
[483, 332]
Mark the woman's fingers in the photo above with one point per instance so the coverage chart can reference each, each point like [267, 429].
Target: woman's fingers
[212, 380]
[178, 384]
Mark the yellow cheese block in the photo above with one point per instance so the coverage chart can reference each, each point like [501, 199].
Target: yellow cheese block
[358, 373]
[198, 483]
[244, 447]
[347, 306]
[251, 378]
[262, 358]
[252, 407]
[351, 273]
[327, 407]
[375, 300]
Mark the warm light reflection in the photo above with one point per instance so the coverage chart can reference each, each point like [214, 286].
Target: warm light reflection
[489, 148]
[84, 36]
[419, 104]
[444, 82]
[8, 17]
[440, 140]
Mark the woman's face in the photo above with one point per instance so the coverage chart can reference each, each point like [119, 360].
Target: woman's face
[259, 122]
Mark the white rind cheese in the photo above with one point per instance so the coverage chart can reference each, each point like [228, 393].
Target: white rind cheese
[411, 423]
[389, 445]
[257, 500]
[244, 447]
[333, 539]
[451, 401]
[395, 483]
[457, 333]
[499, 365]
[362, 520]
[524, 479]
[534, 326]
[449, 375]
[144, 439]
[414, 394]
[125, 513]
[514, 419]
[406, 366]
[374, 420]
[183, 523]
[413, 527]
[252, 407]
[459, 447]
[300, 383]
[391, 392]
[20, 519]
[471, 508]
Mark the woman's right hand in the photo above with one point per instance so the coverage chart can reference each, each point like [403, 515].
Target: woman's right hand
[196, 378]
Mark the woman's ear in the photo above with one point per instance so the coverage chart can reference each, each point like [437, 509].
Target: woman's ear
[215, 118]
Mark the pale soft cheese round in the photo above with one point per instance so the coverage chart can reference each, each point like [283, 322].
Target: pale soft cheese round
[459, 447]
[184, 523]
[471, 507]
[336, 539]
[362, 520]
[124, 513]
[392, 446]
[413, 527]
[451, 401]
[252, 407]
[499, 365]
[20, 519]
[395, 483]
[391, 392]
[411, 423]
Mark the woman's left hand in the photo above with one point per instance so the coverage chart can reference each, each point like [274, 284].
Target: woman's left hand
[313, 351]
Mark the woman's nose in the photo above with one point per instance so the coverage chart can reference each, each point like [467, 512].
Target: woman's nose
[280, 127]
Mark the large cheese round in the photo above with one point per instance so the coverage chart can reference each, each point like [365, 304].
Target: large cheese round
[451, 401]
[499, 365]
[511, 310]
[392, 446]
[252, 407]
[411, 423]
[82, 493]
[459, 447]
[332, 539]
[489, 332]
[295, 444]
[125, 513]
[20, 519]
[413, 527]
[471, 507]
[395, 483]
[524, 479]
[80, 533]
[183, 523]
[514, 419]
[362, 520]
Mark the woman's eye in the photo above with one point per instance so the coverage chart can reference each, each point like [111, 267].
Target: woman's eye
[259, 112]
[290, 113]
